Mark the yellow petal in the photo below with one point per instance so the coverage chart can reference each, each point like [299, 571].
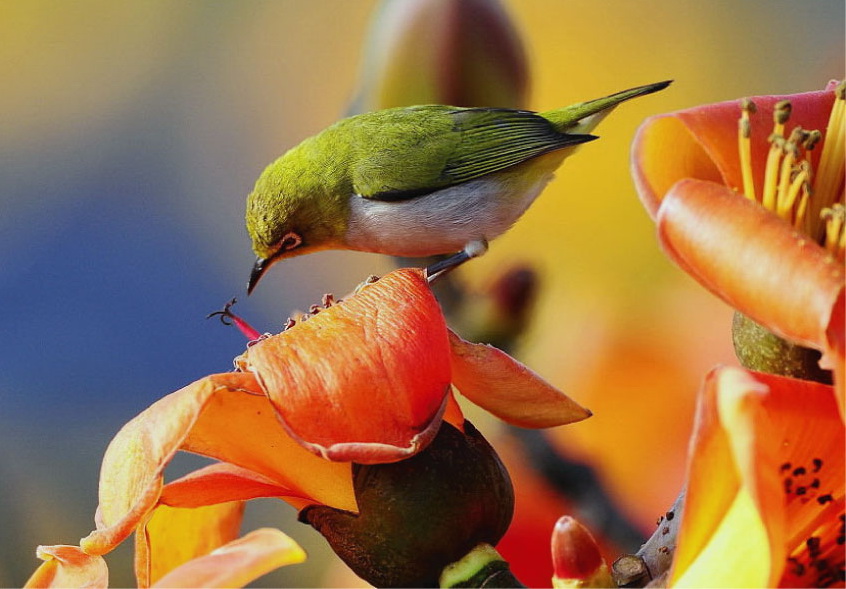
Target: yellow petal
[173, 536]
[238, 563]
[68, 566]
[724, 561]
[503, 386]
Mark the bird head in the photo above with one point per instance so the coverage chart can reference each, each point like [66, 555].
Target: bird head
[291, 212]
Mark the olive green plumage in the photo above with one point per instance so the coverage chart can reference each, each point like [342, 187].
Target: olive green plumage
[414, 180]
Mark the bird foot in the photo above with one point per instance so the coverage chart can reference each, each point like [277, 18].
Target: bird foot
[474, 249]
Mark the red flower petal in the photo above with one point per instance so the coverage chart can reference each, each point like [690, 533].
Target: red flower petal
[365, 380]
[701, 143]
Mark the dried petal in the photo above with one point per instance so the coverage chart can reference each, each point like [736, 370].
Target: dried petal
[68, 566]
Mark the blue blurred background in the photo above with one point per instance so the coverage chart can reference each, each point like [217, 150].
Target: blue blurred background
[131, 133]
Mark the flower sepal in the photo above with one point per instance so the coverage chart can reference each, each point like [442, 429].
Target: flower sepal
[757, 348]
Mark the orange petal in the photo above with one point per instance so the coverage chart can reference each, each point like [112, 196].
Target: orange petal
[173, 536]
[740, 522]
[701, 143]
[365, 380]
[503, 386]
[221, 483]
[242, 428]
[131, 473]
[238, 563]
[752, 260]
[68, 566]
[218, 414]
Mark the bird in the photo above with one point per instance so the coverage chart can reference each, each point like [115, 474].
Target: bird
[415, 181]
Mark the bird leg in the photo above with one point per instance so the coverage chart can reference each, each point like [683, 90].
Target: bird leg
[473, 249]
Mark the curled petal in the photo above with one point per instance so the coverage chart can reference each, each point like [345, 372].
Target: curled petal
[237, 563]
[131, 472]
[173, 536]
[753, 261]
[224, 416]
[503, 386]
[365, 380]
[68, 566]
[701, 143]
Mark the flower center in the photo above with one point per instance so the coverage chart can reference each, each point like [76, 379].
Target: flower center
[817, 559]
[812, 200]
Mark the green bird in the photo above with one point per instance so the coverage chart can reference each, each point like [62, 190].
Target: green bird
[415, 181]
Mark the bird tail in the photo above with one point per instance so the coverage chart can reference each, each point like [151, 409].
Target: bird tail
[584, 116]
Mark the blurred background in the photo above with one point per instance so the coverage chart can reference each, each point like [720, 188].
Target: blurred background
[131, 133]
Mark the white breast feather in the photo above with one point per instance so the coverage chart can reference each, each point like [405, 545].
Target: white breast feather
[442, 222]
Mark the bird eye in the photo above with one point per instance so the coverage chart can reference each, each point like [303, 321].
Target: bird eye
[290, 241]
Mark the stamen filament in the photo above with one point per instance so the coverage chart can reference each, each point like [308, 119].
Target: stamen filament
[788, 199]
[771, 171]
[834, 220]
[791, 151]
[745, 148]
[802, 207]
[828, 186]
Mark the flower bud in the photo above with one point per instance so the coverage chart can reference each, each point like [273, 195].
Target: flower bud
[417, 516]
[576, 559]
[463, 53]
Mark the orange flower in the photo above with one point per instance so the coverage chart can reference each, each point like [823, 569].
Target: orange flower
[765, 489]
[776, 255]
[365, 381]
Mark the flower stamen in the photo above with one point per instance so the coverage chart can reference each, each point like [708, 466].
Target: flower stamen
[834, 219]
[747, 108]
[828, 187]
[810, 200]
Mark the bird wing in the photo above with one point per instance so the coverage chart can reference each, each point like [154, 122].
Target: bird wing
[457, 145]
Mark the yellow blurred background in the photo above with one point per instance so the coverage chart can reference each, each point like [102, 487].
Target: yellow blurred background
[132, 132]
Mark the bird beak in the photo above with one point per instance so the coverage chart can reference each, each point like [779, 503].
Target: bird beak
[259, 268]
